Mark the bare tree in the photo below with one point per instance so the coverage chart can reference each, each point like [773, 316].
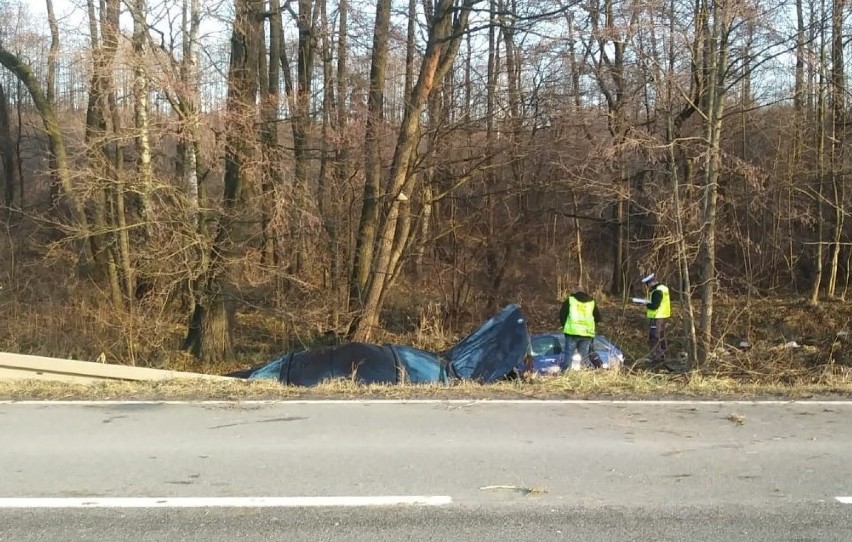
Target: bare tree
[188, 163]
[141, 89]
[270, 76]
[299, 99]
[7, 153]
[612, 81]
[209, 332]
[56, 142]
[100, 163]
[339, 275]
[51, 72]
[332, 172]
[363, 259]
[446, 33]
[821, 122]
[54, 51]
[838, 138]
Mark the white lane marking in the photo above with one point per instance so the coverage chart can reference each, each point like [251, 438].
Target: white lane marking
[221, 502]
[650, 402]
[844, 500]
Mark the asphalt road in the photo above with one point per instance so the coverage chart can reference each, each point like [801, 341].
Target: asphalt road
[583, 472]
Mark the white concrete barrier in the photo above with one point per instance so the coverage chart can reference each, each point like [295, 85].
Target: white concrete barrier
[24, 367]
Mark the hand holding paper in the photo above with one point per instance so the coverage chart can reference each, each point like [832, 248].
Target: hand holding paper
[640, 300]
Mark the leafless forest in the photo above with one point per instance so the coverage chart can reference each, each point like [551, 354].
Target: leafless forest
[235, 178]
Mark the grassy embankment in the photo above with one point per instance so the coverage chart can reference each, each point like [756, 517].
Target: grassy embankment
[819, 365]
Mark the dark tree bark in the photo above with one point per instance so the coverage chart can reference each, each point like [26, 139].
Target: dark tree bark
[7, 152]
[209, 331]
[821, 122]
[50, 84]
[340, 270]
[98, 158]
[367, 227]
[326, 178]
[270, 150]
[838, 142]
[299, 100]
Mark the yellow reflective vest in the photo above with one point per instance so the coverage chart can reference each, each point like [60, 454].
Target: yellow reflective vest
[665, 308]
[581, 318]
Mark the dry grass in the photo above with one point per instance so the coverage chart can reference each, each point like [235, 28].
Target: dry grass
[579, 385]
[59, 315]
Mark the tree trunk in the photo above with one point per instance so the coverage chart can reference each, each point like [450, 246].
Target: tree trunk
[140, 113]
[7, 153]
[188, 153]
[715, 105]
[368, 225]
[675, 160]
[271, 175]
[50, 84]
[683, 256]
[208, 335]
[578, 235]
[491, 77]
[436, 117]
[301, 121]
[55, 184]
[821, 122]
[838, 138]
[425, 225]
[445, 35]
[410, 49]
[325, 178]
[339, 272]
[121, 231]
[98, 159]
[610, 77]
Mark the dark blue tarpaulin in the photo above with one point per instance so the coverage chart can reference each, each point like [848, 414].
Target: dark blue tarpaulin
[494, 349]
[489, 353]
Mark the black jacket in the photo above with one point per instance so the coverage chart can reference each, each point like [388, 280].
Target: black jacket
[582, 297]
[656, 298]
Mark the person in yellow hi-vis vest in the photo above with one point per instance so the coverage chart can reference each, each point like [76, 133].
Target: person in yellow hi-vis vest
[658, 310]
[579, 316]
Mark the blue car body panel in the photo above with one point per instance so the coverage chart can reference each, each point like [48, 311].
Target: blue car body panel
[547, 351]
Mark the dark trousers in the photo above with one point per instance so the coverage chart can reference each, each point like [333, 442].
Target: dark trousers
[657, 338]
[581, 344]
